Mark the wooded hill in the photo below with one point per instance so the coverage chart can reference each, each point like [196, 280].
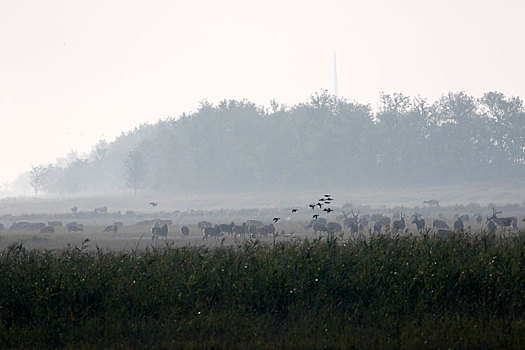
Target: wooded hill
[326, 141]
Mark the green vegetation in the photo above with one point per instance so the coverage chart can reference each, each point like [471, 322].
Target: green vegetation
[381, 292]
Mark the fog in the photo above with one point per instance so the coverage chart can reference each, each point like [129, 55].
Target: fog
[231, 106]
[325, 142]
[73, 73]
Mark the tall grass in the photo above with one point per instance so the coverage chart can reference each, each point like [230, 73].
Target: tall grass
[384, 291]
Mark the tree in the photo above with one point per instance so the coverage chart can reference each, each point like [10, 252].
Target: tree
[99, 151]
[135, 169]
[37, 177]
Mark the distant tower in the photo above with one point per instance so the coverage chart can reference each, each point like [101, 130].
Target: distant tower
[336, 88]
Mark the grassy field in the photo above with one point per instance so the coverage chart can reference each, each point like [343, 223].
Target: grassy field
[383, 291]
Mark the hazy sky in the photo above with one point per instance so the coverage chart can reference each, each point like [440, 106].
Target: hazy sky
[73, 72]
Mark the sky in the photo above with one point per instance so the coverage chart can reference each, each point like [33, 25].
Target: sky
[73, 72]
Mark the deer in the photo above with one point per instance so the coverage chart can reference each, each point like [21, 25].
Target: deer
[351, 222]
[399, 225]
[420, 223]
[458, 224]
[503, 222]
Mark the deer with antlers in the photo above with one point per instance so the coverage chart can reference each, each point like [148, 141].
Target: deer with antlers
[503, 222]
[351, 222]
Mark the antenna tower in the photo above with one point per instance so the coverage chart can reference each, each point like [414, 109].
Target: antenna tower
[336, 87]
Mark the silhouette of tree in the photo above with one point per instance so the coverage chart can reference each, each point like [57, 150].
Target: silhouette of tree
[136, 169]
[37, 177]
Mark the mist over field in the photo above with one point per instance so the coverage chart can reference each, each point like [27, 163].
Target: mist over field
[237, 161]
[262, 174]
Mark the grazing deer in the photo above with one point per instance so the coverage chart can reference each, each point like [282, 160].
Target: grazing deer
[440, 224]
[334, 227]
[111, 228]
[211, 231]
[318, 227]
[74, 227]
[316, 219]
[101, 210]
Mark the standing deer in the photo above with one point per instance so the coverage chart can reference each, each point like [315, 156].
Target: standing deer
[465, 218]
[399, 225]
[491, 226]
[420, 223]
[478, 218]
[240, 230]
[363, 223]
[458, 224]
[352, 222]
[159, 232]
[503, 222]
[380, 221]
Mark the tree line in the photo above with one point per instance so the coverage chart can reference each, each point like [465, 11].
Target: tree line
[325, 141]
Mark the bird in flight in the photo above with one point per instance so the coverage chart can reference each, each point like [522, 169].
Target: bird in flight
[312, 206]
[294, 210]
[153, 204]
[276, 219]
[328, 210]
[315, 216]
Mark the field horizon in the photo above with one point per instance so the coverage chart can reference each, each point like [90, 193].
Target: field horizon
[480, 193]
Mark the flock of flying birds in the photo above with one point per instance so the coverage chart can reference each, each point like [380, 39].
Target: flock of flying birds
[325, 200]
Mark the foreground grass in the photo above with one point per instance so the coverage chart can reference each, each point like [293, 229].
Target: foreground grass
[381, 292]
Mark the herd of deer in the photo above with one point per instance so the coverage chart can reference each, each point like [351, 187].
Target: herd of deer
[353, 221]
[250, 227]
[356, 223]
